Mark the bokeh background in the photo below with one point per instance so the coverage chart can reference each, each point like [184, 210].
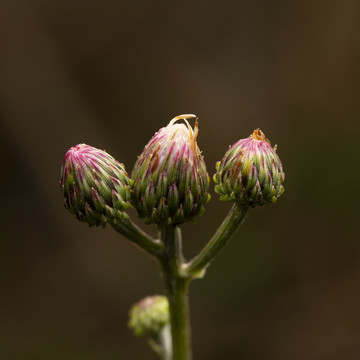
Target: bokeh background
[110, 74]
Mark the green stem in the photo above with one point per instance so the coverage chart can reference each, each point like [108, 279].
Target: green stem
[218, 241]
[166, 343]
[176, 287]
[127, 228]
[161, 343]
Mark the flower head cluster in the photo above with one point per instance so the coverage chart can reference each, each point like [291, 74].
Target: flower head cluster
[149, 315]
[251, 172]
[170, 178]
[95, 186]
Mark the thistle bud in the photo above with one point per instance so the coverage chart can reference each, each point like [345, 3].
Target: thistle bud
[149, 315]
[170, 178]
[95, 186]
[251, 172]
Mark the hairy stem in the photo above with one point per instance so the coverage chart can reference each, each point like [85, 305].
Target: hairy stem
[223, 234]
[176, 287]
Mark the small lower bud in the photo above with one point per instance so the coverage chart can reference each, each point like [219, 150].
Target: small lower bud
[149, 315]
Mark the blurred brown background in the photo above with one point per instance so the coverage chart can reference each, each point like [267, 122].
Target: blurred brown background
[110, 74]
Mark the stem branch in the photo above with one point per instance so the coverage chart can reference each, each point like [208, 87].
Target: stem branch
[127, 228]
[223, 234]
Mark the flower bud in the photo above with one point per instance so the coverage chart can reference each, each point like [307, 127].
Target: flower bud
[251, 172]
[170, 178]
[95, 186]
[149, 315]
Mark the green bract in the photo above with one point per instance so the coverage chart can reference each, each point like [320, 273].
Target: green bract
[251, 172]
[170, 178]
[149, 315]
[95, 186]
